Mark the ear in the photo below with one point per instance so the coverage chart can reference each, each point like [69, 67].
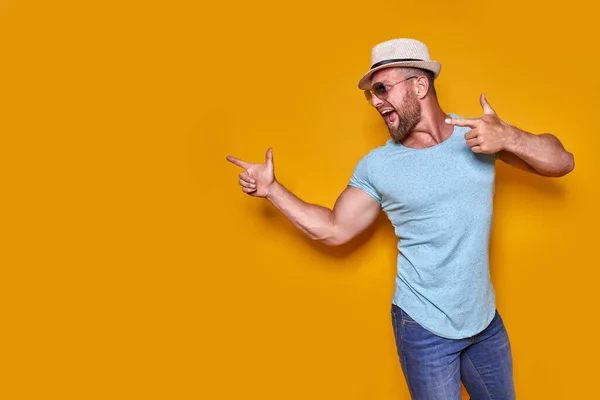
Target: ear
[422, 86]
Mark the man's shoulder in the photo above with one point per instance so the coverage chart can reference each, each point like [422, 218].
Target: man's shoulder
[375, 154]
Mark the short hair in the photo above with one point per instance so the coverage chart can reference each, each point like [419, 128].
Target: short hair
[409, 71]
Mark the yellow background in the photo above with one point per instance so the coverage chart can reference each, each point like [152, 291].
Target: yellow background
[132, 265]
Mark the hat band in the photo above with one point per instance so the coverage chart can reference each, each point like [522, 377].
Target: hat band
[384, 62]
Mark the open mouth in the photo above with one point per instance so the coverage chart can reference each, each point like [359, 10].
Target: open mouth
[389, 116]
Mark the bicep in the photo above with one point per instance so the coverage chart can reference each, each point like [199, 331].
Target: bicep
[353, 212]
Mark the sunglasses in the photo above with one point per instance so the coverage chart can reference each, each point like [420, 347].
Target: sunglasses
[381, 90]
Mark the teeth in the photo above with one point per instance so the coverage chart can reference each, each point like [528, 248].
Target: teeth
[386, 112]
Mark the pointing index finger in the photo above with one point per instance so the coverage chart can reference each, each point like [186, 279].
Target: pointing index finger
[471, 123]
[238, 162]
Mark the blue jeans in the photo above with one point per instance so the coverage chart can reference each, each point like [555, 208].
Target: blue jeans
[434, 366]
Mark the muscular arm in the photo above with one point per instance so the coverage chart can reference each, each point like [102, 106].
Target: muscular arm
[543, 154]
[354, 211]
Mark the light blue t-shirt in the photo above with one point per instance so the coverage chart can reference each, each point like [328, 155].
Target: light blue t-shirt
[439, 200]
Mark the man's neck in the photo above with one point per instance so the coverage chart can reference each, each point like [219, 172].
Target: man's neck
[431, 130]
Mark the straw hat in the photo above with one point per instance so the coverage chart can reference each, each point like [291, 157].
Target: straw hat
[399, 53]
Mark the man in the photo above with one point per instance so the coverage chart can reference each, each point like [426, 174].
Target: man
[434, 178]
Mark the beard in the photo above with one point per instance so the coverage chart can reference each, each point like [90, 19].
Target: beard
[409, 115]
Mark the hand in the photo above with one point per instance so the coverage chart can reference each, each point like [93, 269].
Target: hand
[488, 134]
[256, 179]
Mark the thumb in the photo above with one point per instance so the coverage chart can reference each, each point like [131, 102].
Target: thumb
[487, 109]
[269, 156]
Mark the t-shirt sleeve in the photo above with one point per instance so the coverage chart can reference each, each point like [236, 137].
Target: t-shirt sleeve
[360, 179]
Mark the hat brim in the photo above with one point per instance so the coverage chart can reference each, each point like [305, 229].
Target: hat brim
[433, 66]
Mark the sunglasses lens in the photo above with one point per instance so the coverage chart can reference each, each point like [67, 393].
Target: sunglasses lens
[380, 90]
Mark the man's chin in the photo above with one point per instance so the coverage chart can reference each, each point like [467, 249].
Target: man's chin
[396, 135]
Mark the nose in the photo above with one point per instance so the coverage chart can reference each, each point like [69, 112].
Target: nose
[376, 101]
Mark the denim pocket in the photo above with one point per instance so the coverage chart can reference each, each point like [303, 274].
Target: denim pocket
[407, 319]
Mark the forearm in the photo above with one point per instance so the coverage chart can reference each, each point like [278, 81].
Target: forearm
[544, 153]
[314, 220]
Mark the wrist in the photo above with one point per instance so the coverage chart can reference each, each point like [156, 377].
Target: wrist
[512, 139]
[274, 188]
